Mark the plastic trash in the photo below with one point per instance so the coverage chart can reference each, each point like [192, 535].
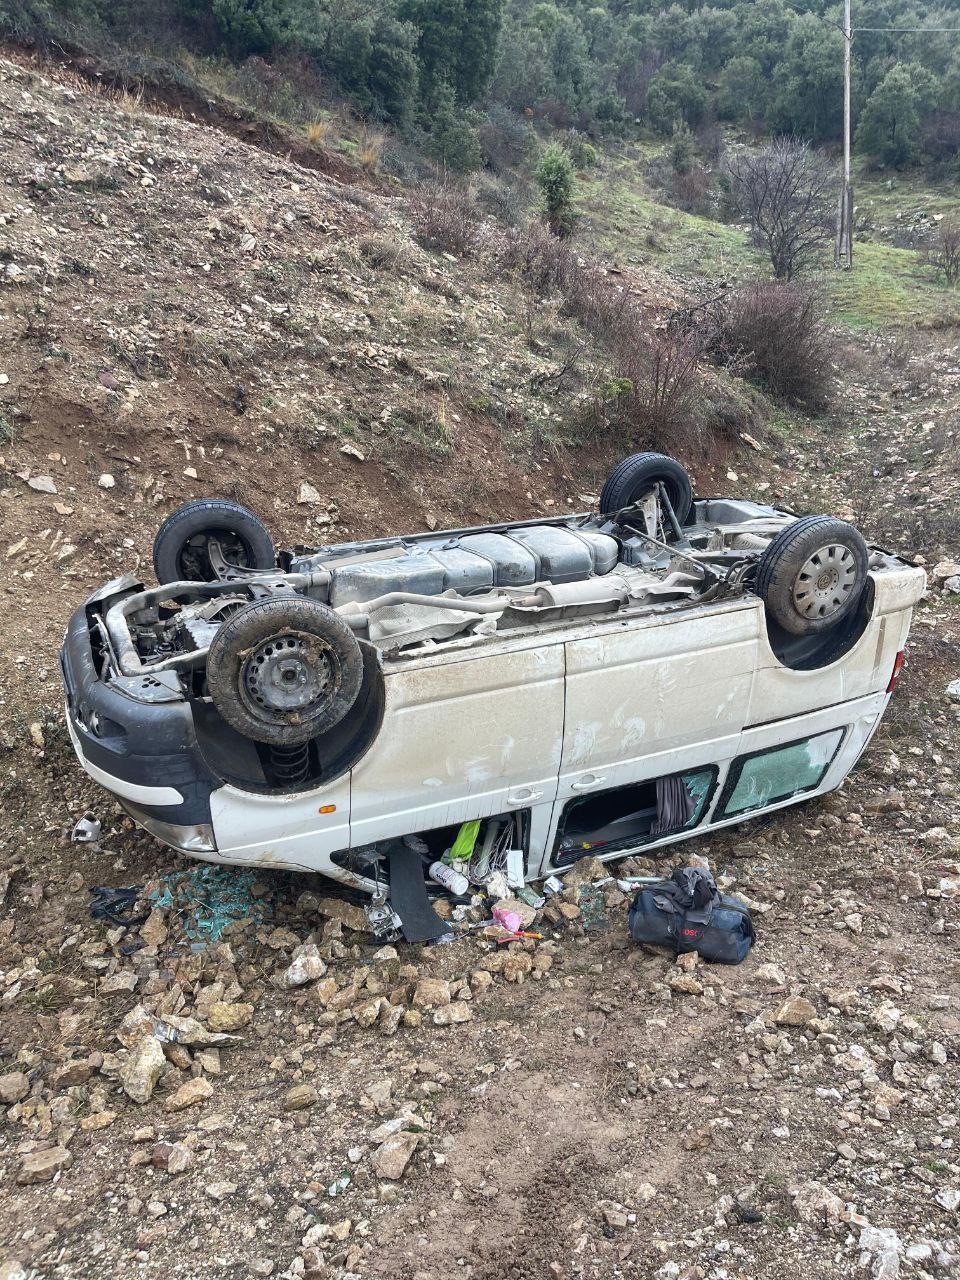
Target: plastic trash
[515, 876]
[530, 897]
[449, 879]
[86, 830]
[116, 904]
[497, 886]
[509, 919]
[462, 848]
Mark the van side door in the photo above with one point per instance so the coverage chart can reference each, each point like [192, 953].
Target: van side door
[654, 696]
[462, 738]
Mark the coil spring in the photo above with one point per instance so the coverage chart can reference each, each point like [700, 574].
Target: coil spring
[290, 765]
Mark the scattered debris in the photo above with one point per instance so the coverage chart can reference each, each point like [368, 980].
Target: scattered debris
[209, 900]
[115, 904]
[86, 830]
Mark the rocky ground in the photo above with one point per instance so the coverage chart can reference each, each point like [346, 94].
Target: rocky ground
[291, 1098]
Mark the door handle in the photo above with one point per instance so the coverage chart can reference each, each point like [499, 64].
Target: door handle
[525, 797]
[591, 780]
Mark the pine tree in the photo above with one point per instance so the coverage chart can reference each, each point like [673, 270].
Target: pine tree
[555, 178]
[889, 128]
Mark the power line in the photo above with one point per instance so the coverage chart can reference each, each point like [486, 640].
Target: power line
[954, 31]
[843, 251]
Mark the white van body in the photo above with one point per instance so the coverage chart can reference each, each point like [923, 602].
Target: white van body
[537, 721]
[576, 709]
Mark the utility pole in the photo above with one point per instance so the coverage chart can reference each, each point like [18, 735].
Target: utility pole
[843, 252]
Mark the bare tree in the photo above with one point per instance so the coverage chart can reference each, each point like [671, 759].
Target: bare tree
[944, 253]
[787, 193]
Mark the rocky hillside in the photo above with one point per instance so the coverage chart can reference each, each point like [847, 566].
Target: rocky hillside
[242, 1083]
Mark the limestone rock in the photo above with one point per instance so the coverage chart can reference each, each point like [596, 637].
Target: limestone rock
[141, 1071]
[189, 1094]
[516, 965]
[307, 966]
[174, 1157]
[392, 1156]
[685, 984]
[817, 1205]
[222, 1016]
[431, 992]
[43, 1166]
[299, 1096]
[585, 871]
[348, 913]
[795, 1012]
[456, 1011]
[14, 1086]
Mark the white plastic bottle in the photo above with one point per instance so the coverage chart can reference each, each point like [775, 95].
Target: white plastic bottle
[440, 873]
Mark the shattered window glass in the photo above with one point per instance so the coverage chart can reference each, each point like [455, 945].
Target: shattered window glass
[698, 786]
[776, 775]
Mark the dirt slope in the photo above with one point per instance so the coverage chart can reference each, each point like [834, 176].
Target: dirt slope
[186, 315]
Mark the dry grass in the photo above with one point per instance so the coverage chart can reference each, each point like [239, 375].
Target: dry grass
[445, 217]
[371, 149]
[320, 132]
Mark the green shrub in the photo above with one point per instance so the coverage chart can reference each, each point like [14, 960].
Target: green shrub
[555, 178]
[583, 153]
[453, 137]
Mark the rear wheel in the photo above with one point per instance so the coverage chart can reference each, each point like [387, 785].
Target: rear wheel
[183, 545]
[638, 475]
[284, 670]
[813, 574]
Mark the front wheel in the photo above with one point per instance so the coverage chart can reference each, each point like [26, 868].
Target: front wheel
[284, 670]
[813, 574]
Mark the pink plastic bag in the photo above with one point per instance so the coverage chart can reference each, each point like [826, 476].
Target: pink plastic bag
[509, 919]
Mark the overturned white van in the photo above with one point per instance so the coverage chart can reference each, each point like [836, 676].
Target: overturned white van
[604, 682]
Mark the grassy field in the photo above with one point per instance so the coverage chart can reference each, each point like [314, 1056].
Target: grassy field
[888, 288]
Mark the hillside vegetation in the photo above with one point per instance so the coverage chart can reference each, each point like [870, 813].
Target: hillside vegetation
[464, 82]
[198, 299]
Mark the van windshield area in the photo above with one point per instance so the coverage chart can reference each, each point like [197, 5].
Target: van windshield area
[627, 816]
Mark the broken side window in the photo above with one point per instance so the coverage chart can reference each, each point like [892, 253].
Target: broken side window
[778, 773]
[625, 817]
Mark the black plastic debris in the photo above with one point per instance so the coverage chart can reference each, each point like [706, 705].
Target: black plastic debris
[115, 904]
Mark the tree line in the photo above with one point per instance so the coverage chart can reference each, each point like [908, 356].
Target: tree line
[600, 67]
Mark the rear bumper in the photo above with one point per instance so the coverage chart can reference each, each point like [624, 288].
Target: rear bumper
[145, 754]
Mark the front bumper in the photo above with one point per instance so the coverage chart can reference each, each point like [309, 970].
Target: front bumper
[146, 754]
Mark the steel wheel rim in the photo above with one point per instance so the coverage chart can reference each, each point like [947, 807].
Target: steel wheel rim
[825, 582]
[289, 678]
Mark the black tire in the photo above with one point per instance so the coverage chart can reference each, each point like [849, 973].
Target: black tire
[813, 574]
[636, 475]
[284, 670]
[179, 549]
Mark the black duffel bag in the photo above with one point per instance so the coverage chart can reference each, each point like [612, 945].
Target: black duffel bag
[689, 913]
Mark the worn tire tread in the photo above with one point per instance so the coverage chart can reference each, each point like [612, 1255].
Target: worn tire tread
[623, 480]
[255, 623]
[216, 513]
[782, 560]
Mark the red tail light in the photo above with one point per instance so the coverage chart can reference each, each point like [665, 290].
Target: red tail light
[897, 668]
